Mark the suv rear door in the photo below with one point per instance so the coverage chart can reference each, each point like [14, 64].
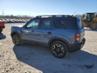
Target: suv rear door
[44, 30]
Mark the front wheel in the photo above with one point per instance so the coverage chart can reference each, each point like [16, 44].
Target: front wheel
[58, 49]
[16, 39]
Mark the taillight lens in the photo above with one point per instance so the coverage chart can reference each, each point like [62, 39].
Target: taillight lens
[77, 37]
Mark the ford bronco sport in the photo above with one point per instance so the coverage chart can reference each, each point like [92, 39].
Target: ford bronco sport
[61, 33]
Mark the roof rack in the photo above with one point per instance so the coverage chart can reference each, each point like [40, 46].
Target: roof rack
[48, 16]
[43, 16]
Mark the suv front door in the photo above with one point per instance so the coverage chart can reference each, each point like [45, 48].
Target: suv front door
[29, 32]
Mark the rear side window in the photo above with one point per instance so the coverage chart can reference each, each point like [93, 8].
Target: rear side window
[65, 23]
[79, 22]
[46, 23]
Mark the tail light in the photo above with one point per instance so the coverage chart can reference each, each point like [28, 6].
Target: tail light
[77, 37]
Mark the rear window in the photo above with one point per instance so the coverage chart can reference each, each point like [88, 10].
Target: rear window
[66, 22]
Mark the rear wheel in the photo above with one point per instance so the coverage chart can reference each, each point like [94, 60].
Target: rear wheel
[58, 49]
[16, 39]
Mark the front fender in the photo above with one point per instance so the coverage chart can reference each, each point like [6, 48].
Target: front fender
[15, 29]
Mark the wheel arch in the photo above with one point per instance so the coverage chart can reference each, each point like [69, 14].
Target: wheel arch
[14, 33]
[59, 39]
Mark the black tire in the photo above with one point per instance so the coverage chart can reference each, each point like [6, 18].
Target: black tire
[58, 49]
[16, 39]
[0, 30]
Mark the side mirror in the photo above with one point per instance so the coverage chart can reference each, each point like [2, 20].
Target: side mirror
[24, 26]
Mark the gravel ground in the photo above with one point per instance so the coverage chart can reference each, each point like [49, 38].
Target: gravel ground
[38, 59]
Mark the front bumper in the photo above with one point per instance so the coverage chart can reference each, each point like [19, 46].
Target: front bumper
[77, 46]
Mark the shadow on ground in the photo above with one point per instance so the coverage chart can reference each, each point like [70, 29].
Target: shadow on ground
[2, 36]
[41, 59]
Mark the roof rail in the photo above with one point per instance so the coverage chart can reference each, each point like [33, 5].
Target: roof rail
[47, 16]
[43, 16]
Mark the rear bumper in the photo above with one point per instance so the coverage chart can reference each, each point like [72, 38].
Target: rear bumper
[77, 46]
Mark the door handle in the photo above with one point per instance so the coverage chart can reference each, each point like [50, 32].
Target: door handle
[49, 32]
[32, 30]
[26, 31]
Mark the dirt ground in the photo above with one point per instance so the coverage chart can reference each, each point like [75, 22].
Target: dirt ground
[38, 59]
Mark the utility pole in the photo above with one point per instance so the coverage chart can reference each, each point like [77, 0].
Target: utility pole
[3, 12]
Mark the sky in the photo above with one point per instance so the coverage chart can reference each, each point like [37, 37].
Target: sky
[46, 7]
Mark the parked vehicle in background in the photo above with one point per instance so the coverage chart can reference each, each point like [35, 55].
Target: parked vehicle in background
[61, 33]
[90, 20]
[2, 26]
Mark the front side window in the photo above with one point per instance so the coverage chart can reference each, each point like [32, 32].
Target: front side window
[33, 24]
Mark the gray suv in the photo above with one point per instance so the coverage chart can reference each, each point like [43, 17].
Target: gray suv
[61, 33]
